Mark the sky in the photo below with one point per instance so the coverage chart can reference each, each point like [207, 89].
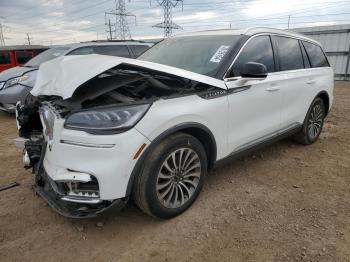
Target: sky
[51, 22]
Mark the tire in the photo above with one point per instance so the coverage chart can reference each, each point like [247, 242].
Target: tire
[313, 123]
[158, 175]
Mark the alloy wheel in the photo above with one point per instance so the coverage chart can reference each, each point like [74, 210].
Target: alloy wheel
[178, 177]
[315, 121]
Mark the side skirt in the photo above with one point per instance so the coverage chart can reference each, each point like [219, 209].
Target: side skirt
[251, 148]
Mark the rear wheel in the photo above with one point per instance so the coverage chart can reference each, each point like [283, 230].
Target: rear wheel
[171, 177]
[313, 123]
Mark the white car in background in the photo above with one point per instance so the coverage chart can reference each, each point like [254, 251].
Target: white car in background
[99, 130]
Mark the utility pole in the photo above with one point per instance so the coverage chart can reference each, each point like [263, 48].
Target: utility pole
[2, 38]
[288, 21]
[168, 23]
[122, 30]
[28, 39]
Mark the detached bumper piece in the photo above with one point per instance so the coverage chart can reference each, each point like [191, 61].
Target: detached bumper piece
[71, 207]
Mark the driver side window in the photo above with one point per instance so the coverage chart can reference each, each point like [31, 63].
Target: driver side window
[259, 50]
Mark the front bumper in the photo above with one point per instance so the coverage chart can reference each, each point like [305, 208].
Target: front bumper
[107, 158]
[45, 187]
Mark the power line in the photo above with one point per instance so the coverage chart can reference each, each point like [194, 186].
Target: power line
[68, 13]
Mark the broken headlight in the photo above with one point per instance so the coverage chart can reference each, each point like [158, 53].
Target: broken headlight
[107, 119]
[15, 81]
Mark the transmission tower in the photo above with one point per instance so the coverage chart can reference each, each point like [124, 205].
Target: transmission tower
[122, 30]
[168, 23]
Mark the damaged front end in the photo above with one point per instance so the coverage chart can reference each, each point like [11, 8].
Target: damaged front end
[71, 194]
[110, 103]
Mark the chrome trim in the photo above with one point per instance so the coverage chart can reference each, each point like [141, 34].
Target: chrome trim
[73, 143]
[268, 34]
[81, 201]
[266, 137]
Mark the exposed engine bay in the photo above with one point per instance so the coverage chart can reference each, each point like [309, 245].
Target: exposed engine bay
[123, 85]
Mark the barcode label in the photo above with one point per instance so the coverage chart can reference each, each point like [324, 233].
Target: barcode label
[219, 54]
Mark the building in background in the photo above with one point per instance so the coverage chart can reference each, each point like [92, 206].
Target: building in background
[335, 40]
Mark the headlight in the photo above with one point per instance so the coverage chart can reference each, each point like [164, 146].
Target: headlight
[107, 119]
[47, 117]
[1, 85]
[15, 81]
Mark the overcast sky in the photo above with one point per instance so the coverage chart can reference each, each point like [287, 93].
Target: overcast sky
[64, 21]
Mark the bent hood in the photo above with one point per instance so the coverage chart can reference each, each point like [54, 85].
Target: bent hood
[15, 72]
[63, 75]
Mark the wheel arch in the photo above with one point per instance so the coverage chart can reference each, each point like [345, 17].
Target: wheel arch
[325, 98]
[199, 131]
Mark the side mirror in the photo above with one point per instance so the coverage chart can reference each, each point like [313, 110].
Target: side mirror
[253, 71]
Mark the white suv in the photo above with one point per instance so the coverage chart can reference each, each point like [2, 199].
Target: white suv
[99, 130]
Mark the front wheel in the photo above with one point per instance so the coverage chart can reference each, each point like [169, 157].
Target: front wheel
[313, 123]
[171, 177]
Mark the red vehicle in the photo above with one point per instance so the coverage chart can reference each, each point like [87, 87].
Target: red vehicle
[11, 56]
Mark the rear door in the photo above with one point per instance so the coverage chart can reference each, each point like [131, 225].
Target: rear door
[291, 65]
[254, 112]
[299, 86]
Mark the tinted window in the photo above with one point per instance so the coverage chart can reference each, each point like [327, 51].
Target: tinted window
[316, 55]
[138, 49]
[113, 50]
[5, 58]
[203, 54]
[290, 57]
[87, 50]
[46, 56]
[23, 57]
[259, 50]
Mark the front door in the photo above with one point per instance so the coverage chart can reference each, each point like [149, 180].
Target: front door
[254, 106]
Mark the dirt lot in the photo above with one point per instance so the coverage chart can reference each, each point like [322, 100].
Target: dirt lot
[285, 203]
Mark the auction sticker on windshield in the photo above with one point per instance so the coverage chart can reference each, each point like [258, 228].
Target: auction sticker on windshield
[219, 54]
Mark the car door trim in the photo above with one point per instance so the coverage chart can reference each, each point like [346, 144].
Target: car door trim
[256, 144]
[274, 53]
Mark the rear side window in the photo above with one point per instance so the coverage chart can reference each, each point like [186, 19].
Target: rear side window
[113, 50]
[138, 49]
[259, 50]
[316, 55]
[23, 57]
[87, 50]
[289, 52]
[5, 58]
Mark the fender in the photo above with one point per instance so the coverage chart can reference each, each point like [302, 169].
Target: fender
[181, 127]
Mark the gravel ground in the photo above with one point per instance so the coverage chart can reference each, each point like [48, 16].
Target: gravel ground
[285, 203]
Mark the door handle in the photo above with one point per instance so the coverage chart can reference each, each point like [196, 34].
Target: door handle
[272, 89]
[311, 82]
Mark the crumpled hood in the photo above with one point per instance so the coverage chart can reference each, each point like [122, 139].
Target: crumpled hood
[15, 72]
[63, 75]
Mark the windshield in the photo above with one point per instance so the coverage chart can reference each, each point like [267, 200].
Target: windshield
[199, 54]
[46, 56]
